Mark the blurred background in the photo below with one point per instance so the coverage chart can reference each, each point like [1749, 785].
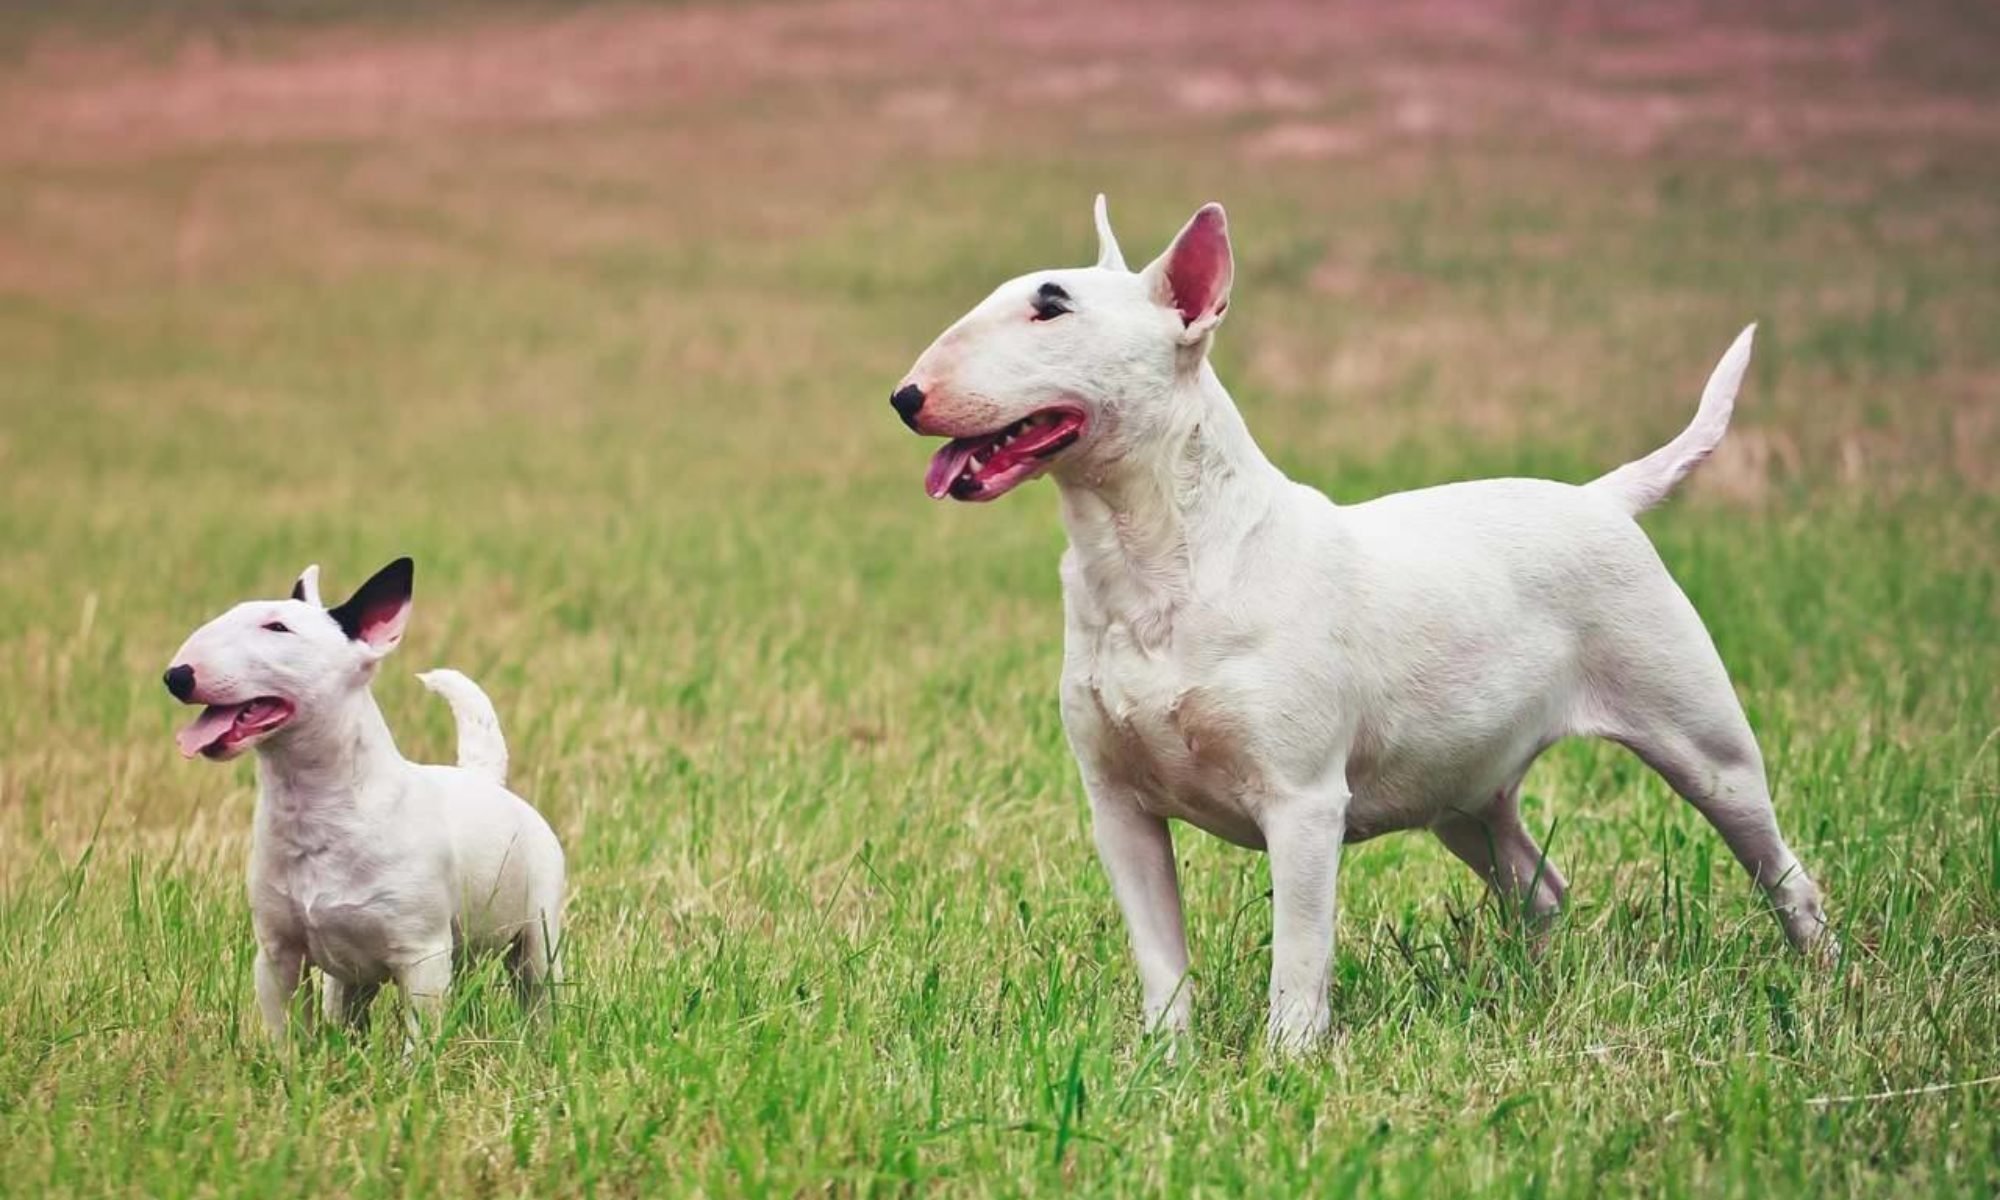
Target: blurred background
[595, 309]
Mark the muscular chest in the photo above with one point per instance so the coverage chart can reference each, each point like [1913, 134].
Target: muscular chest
[354, 913]
[1172, 723]
[308, 902]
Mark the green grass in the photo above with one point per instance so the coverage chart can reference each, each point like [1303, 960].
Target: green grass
[836, 925]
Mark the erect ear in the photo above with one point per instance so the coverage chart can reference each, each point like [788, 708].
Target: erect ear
[1192, 277]
[307, 588]
[1109, 256]
[376, 613]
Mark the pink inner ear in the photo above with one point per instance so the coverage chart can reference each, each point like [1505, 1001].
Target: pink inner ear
[382, 624]
[1198, 271]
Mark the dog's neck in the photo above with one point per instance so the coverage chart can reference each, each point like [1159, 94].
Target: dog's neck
[324, 765]
[1146, 531]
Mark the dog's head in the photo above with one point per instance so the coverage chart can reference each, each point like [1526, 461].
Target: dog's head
[1069, 369]
[265, 665]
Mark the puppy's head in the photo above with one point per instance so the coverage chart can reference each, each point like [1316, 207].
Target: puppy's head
[1066, 369]
[264, 665]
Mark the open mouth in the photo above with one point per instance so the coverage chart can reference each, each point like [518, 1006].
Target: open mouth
[222, 730]
[993, 464]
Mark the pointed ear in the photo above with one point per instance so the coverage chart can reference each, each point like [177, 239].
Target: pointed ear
[307, 588]
[1192, 277]
[1109, 256]
[376, 613]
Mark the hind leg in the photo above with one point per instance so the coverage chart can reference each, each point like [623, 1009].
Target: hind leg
[1495, 844]
[1725, 783]
[345, 1006]
[1670, 701]
[536, 964]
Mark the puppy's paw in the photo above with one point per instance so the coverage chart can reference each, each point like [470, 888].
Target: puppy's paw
[1297, 1028]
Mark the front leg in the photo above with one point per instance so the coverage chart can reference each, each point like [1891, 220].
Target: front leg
[278, 970]
[424, 982]
[1303, 834]
[1138, 853]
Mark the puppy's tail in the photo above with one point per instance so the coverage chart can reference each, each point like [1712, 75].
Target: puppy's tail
[481, 749]
[1638, 486]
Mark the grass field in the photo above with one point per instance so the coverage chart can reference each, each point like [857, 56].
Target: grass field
[595, 312]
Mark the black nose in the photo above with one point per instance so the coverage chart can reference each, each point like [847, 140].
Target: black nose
[180, 681]
[908, 399]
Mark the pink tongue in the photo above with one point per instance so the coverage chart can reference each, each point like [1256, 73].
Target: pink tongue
[207, 729]
[946, 465]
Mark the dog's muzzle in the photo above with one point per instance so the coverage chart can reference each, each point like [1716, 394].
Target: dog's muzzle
[180, 681]
[908, 401]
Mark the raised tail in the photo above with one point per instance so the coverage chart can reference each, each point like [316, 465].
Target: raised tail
[1639, 485]
[481, 749]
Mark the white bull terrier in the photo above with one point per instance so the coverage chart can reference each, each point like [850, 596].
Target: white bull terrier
[1290, 674]
[364, 865]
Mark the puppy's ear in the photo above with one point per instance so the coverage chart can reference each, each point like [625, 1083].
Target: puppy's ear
[307, 588]
[1109, 256]
[376, 613]
[1194, 274]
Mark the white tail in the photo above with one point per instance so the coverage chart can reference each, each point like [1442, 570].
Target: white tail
[481, 748]
[1638, 486]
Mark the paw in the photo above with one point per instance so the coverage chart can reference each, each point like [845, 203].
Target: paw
[1165, 1023]
[1806, 928]
[1168, 1017]
[1297, 1026]
[1823, 950]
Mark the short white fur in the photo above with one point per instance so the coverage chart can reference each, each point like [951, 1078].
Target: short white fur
[364, 865]
[1245, 655]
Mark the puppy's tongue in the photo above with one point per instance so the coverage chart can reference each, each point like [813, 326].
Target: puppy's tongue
[207, 729]
[948, 462]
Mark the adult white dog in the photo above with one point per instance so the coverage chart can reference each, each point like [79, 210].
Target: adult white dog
[1290, 674]
[364, 865]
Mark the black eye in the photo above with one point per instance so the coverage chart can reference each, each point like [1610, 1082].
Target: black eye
[277, 627]
[1051, 301]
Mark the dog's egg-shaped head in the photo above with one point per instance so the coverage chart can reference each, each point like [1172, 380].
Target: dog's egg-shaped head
[267, 665]
[1057, 369]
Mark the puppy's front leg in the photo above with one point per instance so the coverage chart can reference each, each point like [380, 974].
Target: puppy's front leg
[1303, 835]
[1138, 854]
[277, 971]
[424, 982]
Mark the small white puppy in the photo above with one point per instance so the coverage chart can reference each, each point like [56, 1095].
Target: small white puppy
[1243, 654]
[363, 864]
